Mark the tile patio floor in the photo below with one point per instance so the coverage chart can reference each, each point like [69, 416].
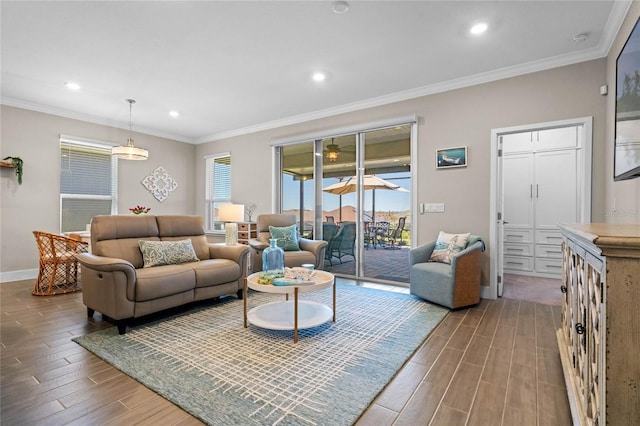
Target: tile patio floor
[379, 263]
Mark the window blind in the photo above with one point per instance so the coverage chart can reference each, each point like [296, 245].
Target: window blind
[88, 183]
[218, 188]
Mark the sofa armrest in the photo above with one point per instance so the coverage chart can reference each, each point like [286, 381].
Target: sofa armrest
[107, 264]
[257, 244]
[317, 247]
[235, 252]
[108, 285]
[422, 253]
[311, 245]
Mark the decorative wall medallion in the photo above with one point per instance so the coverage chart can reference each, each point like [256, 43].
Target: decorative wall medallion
[160, 184]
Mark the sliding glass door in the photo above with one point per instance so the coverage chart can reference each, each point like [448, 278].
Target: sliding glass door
[354, 191]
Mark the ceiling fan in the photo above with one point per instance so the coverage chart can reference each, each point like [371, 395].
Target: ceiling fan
[332, 151]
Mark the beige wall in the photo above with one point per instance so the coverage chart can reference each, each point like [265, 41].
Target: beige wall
[460, 117]
[35, 205]
[625, 195]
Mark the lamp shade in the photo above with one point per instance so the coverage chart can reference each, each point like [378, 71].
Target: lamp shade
[129, 152]
[231, 213]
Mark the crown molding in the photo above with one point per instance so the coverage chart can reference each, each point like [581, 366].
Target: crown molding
[500, 74]
[46, 109]
[614, 22]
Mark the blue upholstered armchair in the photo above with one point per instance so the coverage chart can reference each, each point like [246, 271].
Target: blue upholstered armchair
[454, 285]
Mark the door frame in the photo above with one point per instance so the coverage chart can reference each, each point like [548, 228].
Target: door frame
[494, 290]
[358, 129]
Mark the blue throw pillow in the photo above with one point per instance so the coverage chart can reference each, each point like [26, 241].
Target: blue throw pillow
[287, 237]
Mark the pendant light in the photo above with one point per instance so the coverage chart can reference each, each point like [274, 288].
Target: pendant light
[130, 152]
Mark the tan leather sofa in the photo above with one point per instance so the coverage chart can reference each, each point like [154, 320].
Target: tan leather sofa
[115, 283]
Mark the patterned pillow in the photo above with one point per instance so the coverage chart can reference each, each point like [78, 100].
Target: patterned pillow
[447, 246]
[156, 253]
[287, 237]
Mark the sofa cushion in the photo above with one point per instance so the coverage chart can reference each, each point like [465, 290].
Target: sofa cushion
[125, 248]
[162, 281]
[447, 246]
[157, 253]
[287, 237]
[216, 271]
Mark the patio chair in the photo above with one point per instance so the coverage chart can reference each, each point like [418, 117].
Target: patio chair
[343, 243]
[395, 236]
[454, 285]
[59, 272]
[310, 251]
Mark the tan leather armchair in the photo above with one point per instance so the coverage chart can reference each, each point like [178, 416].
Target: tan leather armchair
[311, 251]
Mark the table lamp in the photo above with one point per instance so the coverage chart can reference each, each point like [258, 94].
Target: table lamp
[231, 214]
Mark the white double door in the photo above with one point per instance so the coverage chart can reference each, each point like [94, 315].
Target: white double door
[540, 191]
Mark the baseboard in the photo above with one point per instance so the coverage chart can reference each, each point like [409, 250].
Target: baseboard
[26, 274]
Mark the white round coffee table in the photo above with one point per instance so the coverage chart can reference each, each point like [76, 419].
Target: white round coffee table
[290, 315]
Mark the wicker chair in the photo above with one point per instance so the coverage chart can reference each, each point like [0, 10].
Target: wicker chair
[59, 271]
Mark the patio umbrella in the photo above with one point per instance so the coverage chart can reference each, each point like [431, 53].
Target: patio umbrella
[370, 182]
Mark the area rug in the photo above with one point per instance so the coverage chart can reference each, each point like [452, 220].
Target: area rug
[205, 361]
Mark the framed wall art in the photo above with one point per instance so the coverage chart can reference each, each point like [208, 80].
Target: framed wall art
[448, 158]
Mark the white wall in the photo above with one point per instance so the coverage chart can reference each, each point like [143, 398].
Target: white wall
[460, 117]
[35, 205]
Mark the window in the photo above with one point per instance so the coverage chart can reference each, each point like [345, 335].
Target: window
[218, 187]
[88, 183]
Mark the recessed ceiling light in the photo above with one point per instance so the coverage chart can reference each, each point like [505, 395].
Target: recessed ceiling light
[340, 6]
[479, 28]
[174, 114]
[72, 86]
[318, 76]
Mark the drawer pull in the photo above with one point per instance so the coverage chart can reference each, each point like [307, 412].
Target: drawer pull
[580, 328]
[563, 288]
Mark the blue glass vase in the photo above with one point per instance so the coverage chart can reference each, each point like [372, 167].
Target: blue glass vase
[273, 260]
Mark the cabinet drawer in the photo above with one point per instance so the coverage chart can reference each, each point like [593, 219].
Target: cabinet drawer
[549, 266]
[518, 236]
[246, 226]
[550, 251]
[514, 263]
[243, 235]
[518, 249]
[549, 236]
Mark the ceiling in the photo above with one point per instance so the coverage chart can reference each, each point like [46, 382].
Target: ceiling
[234, 67]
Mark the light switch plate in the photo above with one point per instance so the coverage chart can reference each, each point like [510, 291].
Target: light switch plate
[434, 207]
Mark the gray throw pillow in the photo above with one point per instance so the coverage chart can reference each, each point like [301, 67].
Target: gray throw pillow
[156, 253]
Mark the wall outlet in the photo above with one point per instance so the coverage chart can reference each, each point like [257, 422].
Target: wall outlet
[433, 207]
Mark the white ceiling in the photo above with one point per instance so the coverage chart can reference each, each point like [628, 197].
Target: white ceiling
[238, 66]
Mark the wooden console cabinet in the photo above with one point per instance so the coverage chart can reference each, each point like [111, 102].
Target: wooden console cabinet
[600, 336]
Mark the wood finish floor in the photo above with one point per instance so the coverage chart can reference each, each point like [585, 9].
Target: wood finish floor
[493, 364]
